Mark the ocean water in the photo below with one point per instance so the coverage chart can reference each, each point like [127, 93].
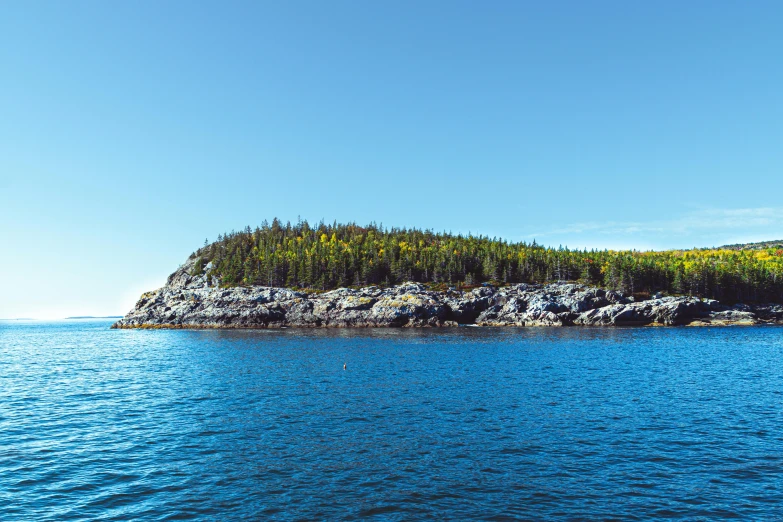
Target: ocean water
[460, 424]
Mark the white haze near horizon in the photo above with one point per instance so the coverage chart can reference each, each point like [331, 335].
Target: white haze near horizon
[110, 286]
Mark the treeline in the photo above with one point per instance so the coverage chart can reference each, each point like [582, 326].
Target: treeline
[325, 256]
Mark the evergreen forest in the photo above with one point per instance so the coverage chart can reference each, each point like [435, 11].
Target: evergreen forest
[325, 257]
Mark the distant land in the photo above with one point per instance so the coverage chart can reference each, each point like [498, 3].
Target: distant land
[346, 275]
[95, 317]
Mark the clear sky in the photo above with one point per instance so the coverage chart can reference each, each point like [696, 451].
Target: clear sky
[131, 131]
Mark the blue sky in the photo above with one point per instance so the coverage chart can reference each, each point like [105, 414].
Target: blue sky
[130, 132]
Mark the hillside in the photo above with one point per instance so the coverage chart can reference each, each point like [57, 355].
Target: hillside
[325, 257]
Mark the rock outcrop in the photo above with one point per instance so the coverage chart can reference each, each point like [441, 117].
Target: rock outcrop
[188, 301]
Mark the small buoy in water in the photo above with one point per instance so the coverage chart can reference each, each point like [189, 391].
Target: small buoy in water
[344, 366]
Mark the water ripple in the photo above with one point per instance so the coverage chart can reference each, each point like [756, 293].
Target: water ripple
[509, 424]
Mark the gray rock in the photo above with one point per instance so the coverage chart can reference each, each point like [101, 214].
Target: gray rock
[194, 302]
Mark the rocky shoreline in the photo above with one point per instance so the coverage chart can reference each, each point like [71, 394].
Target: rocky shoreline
[192, 302]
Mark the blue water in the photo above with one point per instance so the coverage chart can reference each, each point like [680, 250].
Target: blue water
[462, 423]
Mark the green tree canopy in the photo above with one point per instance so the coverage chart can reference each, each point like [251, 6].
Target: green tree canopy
[325, 256]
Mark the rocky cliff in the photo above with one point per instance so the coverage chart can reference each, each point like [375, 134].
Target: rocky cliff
[188, 301]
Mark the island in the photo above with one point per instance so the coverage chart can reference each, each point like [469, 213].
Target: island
[344, 275]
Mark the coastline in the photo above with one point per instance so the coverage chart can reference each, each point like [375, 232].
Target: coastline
[194, 302]
[694, 324]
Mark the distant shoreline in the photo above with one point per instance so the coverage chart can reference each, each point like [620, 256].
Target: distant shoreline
[95, 317]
